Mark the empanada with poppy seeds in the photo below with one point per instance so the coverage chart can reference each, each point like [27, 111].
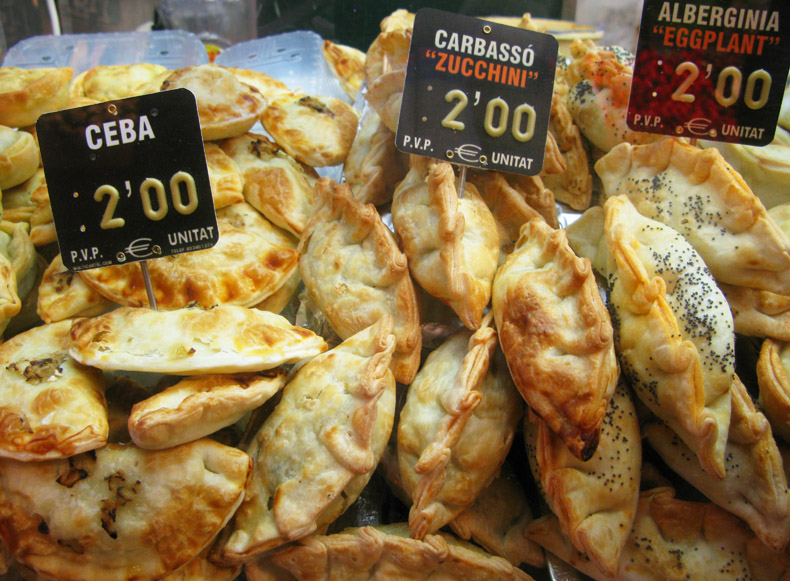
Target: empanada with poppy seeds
[63, 294]
[556, 335]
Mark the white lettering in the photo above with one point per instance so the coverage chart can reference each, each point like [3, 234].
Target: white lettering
[110, 133]
[92, 132]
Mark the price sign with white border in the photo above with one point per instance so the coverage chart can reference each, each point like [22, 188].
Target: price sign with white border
[477, 93]
[711, 69]
[128, 180]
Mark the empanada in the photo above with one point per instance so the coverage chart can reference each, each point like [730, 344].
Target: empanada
[497, 521]
[120, 512]
[595, 501]
[674, 539]
[268, 86]
[451, 242]
[63, 294]
[755, 486]
[191, 341]
[18, 204]
[374, 166]
[317, 450]
[26, 94]
[226, 106]
[52, 406]
[241, 269]
[119, 81]
[773, 376]
[276, 184]
[673, 329]
[316, 130]
[224, 177]
[456, 427]
[385, 73]
[556, 335]
[347, 64]
[19, 157]
[383, 552]
[352, 267]
[698, 194]
[199, 406]
[42, 222]
[536, 194]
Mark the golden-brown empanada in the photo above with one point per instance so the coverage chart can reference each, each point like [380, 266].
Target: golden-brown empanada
[268, 86]
[226, 106]
[595, 501]
[243, 268]
[355, 272]
[119, 81]
[63, 294]
[674, 539]
[245, 217]
[347, 64]
[755, 486]
[586, 237]
[385, 73]
[42, 222]
[10, 303]
[202, 569]
[199, 406]
[52, 406]
[497, 521]
[191, 341]
[19, 157]
[773, 376]
[276, 184]
[456, 427]
[384, 552]
[698, 194]
[224, 176]
[26, 94]
[374, 166]
[120, 512]
[317, 450]
[451, 242]
[556, 335]
[536, 194]
[673, 329]
[18, 204]
[316, 130]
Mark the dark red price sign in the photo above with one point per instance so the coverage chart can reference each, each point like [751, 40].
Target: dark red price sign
[711, 69]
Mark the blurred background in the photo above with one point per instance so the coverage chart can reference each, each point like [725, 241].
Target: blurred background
[225, 22]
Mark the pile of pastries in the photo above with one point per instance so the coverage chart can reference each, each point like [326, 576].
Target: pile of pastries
[383, 377]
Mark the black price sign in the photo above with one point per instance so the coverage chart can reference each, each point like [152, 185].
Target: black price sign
[127, 179]
[711, 69]
[477, 93]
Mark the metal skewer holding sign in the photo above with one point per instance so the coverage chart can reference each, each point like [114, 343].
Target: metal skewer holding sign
[712, 70]
[128, 181]
[477, 93]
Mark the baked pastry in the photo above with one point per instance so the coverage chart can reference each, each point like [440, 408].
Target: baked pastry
[586, 238]
[456, 427]
[347, 64]
[773, 376]
[226, 106]
[383, 552]
[498, 519]
[199, 406]
[318, 131]
[337, 411]
[599, 80]
[42, 222]
[674, 539]
[673, 330]
[536, 194]
[131, 513]
[242, 268]
[191, 341]
[63, 294]
[556, 335]
[594, 500]
[224, 177]
[451, 242]
[276, 184]
[18, 202]
[755, 486]
[268, 86]
[385, 73]
[19, 158]
[574, 185]
[400, 19]
[52, 406]
[355, 272]
[111, 82]
[374, 166]
[26, 94]
[698, 194]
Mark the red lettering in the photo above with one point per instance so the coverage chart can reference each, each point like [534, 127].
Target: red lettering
[480, 65]
[669, 33]
[466, 67]
[514, 76]
[440, 65]
[682, 38]
[455, 64]
[761, 42]
[710, 36]
[494, 70]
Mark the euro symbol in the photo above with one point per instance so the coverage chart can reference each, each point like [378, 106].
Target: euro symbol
[468, 152]
[140, 248]
[698, 126]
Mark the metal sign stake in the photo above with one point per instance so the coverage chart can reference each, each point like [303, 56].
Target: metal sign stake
[149, 289]
[462, 182]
